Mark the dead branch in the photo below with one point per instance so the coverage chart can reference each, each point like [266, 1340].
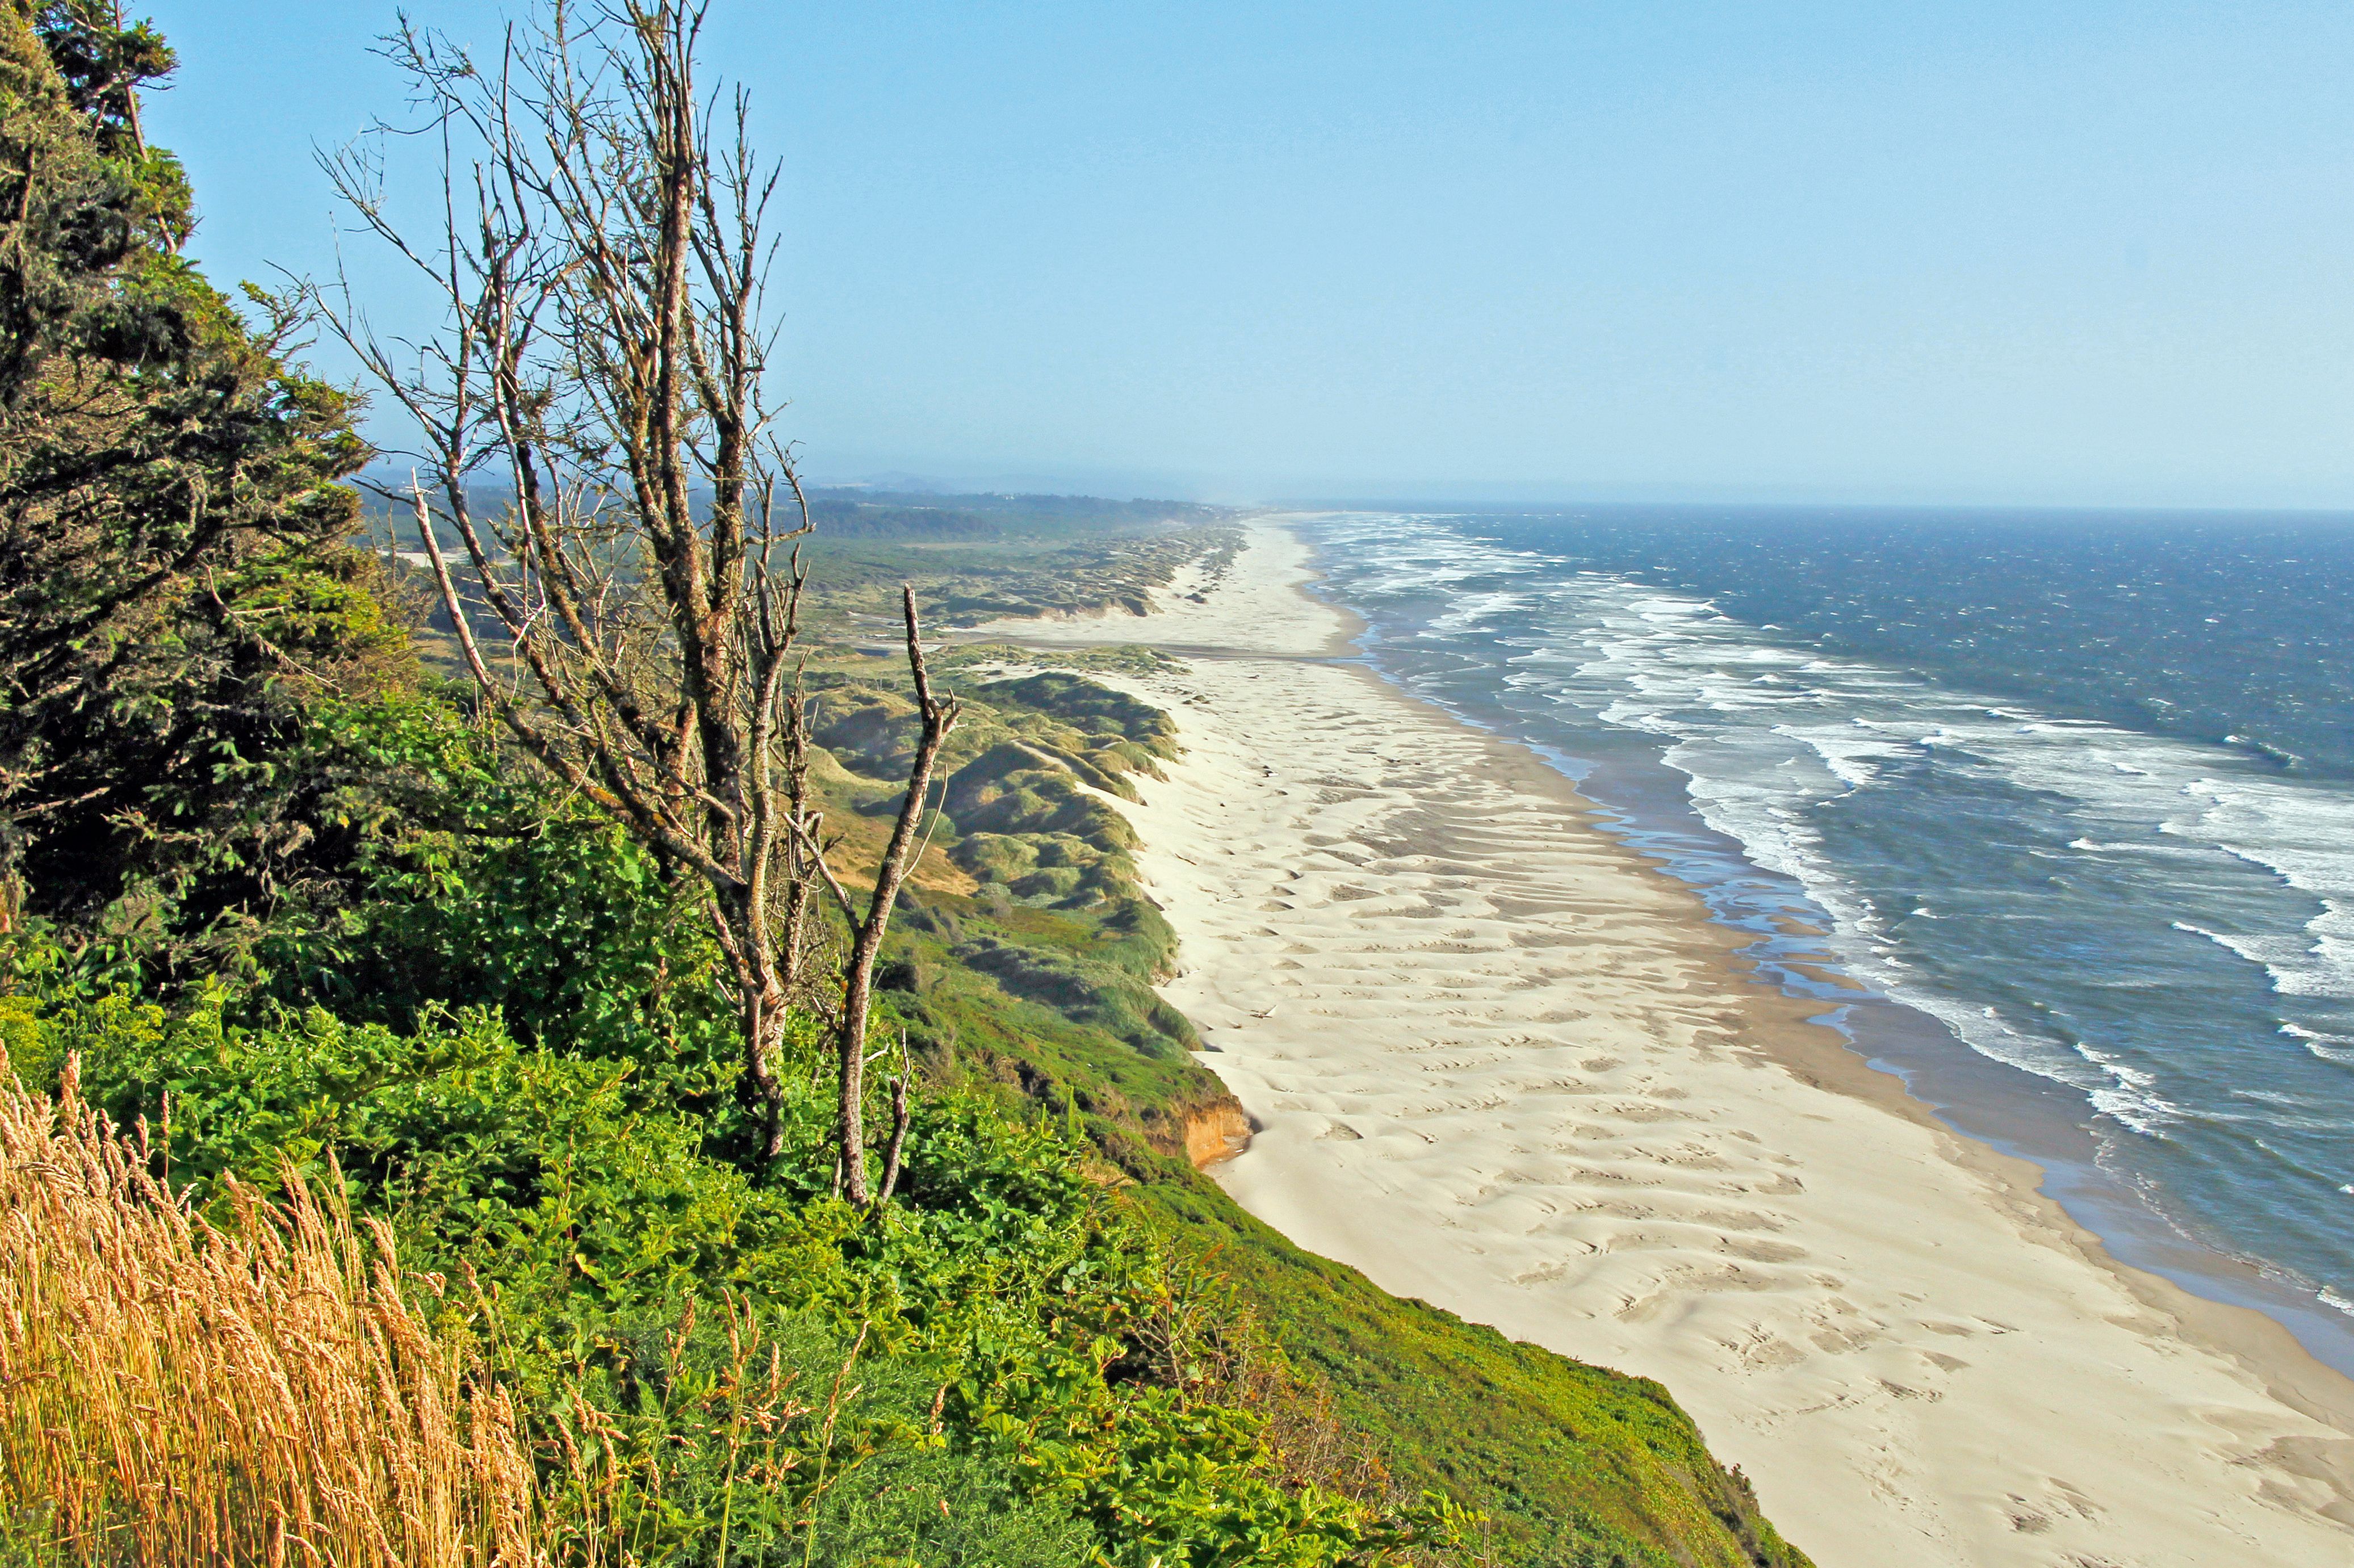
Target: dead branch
[936, 716]
[597, 445]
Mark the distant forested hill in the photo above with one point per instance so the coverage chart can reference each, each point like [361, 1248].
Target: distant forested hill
[861, 513]
[857, 512]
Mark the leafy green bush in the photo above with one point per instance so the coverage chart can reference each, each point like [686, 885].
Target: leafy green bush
[473, 884]
[1004, 1293]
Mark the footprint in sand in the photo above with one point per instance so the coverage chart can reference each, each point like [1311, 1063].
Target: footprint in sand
[1692, 1157]
[1766, 1352]
[1615, 1178]
[1841, 1330]
[1761, 1251]
[1737, 1220]
[1638, 1241]
[1647, 1113]
[1679, 1282]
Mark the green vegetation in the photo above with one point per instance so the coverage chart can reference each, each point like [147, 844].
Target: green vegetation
[1116, 659]
[278, 895]
[1027, 556]
[912, 515]
[1039, 990]
[1100, 556]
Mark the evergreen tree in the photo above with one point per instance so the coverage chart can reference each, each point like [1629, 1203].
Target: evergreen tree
[176, 575]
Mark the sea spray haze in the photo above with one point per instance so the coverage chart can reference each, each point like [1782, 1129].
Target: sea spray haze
[2079, 786]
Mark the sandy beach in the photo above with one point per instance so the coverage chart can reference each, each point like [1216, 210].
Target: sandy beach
[1496, 1061]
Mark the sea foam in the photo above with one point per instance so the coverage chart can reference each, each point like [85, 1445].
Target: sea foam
[2152, 921]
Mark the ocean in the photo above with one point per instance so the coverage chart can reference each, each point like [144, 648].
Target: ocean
[2054, 813]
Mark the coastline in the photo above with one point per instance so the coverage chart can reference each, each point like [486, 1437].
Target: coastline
[1497, 1060]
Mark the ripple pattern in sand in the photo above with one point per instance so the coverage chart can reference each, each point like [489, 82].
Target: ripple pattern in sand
[1496, 1064]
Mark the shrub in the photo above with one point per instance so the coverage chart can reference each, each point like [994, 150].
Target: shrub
[696, 1355]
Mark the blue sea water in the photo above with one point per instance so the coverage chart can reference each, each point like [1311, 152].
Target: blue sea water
[2077, 787]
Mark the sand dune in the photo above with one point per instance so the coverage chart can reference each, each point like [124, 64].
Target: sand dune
[1499, 1064]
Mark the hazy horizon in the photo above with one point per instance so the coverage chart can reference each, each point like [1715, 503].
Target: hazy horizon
[1472, 496]
[2091, 255]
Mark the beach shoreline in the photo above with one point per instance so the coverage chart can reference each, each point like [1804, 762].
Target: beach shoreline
[1495, 1059]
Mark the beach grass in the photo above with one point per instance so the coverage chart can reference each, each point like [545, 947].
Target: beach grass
[249, 1388]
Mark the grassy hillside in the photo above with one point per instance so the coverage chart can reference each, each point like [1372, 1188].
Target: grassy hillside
[972, 558]
[975, 559]
[1572, 1464]
[1030, 974]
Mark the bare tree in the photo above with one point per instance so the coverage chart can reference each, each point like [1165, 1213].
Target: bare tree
[600, 461]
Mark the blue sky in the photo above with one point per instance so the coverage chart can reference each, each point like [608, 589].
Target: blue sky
[2075, 253]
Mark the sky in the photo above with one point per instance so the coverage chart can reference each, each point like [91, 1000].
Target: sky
[2074, 254]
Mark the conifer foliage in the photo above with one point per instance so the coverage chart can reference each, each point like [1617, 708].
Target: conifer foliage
[174, 557]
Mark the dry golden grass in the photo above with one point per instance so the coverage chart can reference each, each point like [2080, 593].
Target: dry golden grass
[255, 1390]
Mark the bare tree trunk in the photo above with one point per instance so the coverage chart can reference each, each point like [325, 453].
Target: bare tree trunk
[898, 1130]
[936, 717]
[604, 364]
